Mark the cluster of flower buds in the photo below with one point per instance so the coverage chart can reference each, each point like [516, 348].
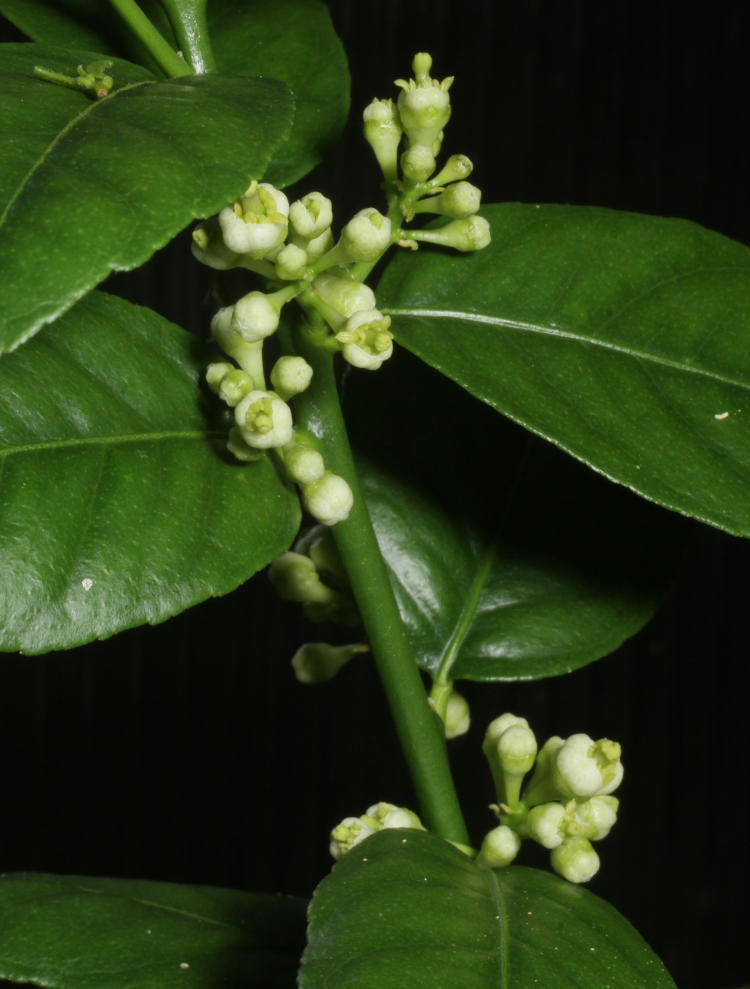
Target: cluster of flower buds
[354, 830]
[406, 138]
[565, 805]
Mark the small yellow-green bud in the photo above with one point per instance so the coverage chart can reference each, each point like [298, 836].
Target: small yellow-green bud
[215, 374]
[311, 216]
[366, 236]
[417, 163]
[575, 860]
[264, 420]
[457, 167]
[290, 376]
[257, 222]
[316, 662]
[544, 824]
[457, 718]
[460, 200]
[294, 578]
[366, 340]
[303, 464]
[496, 728]
[383, 132]
[329, 499]
[499, 847]
[290, 263]
[256, 316]
[516, 749]
[234, 386]
[469, 234]
[593, 818]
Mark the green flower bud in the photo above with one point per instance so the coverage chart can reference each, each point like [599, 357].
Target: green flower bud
[215, 374]
[418, 163]
[294, 578]
[311, 216]
[496, 728]
[239, 448]
[593, 818]
[264, 420]
[319, 246]
[366, 340]
[516, 750]
[234, 386]
[290, 263]
[290, 376]
[347, 835]
[457, 715]
[303, 464]
[575, 860]
[469, 234]
[390, 816]
[257, 222]
[423, 104]
[584, 768]
[345, 295]
[544, 824]
[365, 237]
[499, 847]
[316, 662]
[457, 167]
[383, 133]
[256, 316]
[329, 499]
[460, 200]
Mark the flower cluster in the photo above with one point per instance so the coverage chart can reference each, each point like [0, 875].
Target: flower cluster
[354, 830]
[566, 804]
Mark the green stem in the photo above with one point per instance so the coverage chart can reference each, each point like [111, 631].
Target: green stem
[419, 731]
[145, 31]
[188, 19]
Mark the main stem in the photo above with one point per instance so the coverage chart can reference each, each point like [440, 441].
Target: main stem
[419, 730]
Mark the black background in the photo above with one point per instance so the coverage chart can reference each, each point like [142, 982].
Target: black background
[187, 751]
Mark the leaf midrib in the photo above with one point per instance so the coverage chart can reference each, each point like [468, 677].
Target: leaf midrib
[552, 331]
[116, 440]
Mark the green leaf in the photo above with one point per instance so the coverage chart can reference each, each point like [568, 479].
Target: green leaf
[87, 187]
[118, 505]
[78, 932]
[621, 338]
[407, 909]
[508, 559]
[291, 40]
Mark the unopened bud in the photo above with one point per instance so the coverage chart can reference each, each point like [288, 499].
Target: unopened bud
[457, 718]
[329, 499]
[234, 386]
[470, 234]
[311, 216]
[499, 847]
[516, 749]
[460, 200]
[383, 132]
[290, 263]
[290, 376]
[366, 236]
[457, 167]
[256, 316]
[303, 464]
[544, 824]
[294, 578]
[345, 295]
[215, 374]
[423, 104]
[317, 662]
[575, 860]
[417, 163]
[593, 818]
[390, 816]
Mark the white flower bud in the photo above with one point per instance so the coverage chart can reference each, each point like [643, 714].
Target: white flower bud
[389, 816]
[346, 835]
[418, 163]
[457, 715]
[234, 386]
[383, 132]
[499, 847]
[256, 316]
[311, 216]
[318, 246]
[516, 749]
[345, 295]
[366, 340]
[290, 376]
[423, 104]
[290, 263]
[593, 818]
[264, 420]
[469, 234]
[366, 236]
[257, 222]
[496, 728]
[329, 499]
[460, 200]
[575, 860]
[457, 167]
[584, 768]
[303, 464]
[317, 662]
[294, 578]
[544, 824]
[215, 374]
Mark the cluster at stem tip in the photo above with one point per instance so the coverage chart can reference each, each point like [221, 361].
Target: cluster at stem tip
[292, 248]
[565, 805]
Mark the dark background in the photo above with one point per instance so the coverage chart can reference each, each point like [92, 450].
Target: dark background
[187, 751]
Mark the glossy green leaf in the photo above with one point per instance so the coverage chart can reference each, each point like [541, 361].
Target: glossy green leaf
[509, 560]
[407, 909]
[622, 338]
[87, 187]
[80, 932]
[118, 504]
[291, 40]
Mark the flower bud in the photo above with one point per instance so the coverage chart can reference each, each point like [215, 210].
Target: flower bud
[290, 376]
[460, 200]
[593, 818]
[229, 339]
[346, 835]
[294, 578]
[457, 715]
[215, 374]
[584, 768]
[290, 264]
[234, 386]
[496, 728]
[423, 104]
[366, 236]
[209, 248]
[383, 132]
[303, 464]
[239, 448]
[499, 847]
[264, 420]
[516, 749]
[318, 246]
[469, 234]
[345, 295]
[318, 544]
[316, 662]
[544, 824]
[418, 163]
[256, 316]
[311, 216]
[329, 499]
[257, 222]
[389, 816]
[366, 340]
[457, 167]
[575, 860]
